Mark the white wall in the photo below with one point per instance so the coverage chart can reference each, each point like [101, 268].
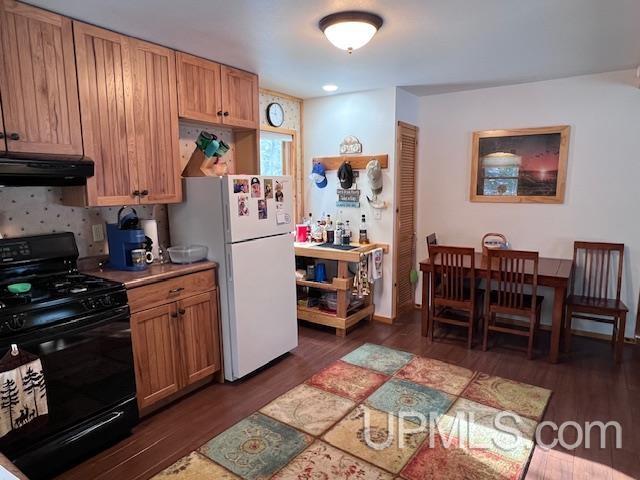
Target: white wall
[371, 117]
[602, 195]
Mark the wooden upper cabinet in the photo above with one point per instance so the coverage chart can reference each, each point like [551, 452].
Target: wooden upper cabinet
[239, 98]
[106, 103]
[38, 82]
[155, 106]
[153, 334]
[199, 90]
[200, 338]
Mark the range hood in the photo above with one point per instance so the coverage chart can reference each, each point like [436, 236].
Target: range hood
[31, 172]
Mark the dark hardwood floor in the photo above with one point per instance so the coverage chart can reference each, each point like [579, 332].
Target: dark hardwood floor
[587, 386]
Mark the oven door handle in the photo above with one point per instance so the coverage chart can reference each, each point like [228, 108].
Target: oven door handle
[76, 325]
[113, 416]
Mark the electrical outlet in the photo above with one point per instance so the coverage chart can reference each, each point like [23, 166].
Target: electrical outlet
[98, 232]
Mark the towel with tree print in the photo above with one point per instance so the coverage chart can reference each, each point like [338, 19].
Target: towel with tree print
[23, 392]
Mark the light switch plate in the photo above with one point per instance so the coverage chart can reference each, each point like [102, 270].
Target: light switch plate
[98, 232]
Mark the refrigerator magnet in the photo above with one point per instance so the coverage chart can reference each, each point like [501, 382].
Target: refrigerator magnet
[256, 191]
[268, 188]
[240, 185]
[279, 192]
[262, 209]
[282, 218]
[243, 206]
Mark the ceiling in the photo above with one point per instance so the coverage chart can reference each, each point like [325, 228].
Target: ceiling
[427, 46]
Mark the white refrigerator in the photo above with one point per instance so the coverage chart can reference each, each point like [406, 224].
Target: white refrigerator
[247, 223]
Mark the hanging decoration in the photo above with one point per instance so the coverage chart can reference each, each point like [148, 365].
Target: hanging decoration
[23, 392]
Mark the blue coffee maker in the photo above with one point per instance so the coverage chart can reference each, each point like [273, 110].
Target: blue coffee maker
[124, 237]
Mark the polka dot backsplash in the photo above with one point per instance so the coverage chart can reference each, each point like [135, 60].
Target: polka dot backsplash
[291, 110]
[38, 210]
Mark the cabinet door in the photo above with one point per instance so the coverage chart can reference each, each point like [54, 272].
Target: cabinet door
[106, 105]
[239, 98]
[200, 337]
[155, 109]
[153, 333]
[38, 81]
[199, 91]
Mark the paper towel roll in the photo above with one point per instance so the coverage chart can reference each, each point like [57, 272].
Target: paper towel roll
[150, 228]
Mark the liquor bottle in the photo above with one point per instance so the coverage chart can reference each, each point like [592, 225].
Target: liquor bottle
[329, 230]
[346, 235]
[363, 237]
[337, 235]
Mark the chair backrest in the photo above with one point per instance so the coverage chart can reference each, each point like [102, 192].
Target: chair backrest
[597, 269]
[509, 269]
[453, 265]
[431, 241]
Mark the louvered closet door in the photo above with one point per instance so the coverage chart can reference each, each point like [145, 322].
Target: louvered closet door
[406, 213]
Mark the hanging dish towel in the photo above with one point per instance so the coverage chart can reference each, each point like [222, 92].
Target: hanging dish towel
[375, 264]
[23, 393]
[361, 280]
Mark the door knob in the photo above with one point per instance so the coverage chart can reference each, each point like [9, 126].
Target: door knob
[219, 112]
[182, 311]
[226, 114]
[144, 193]
[136, 193]
[14, 136]
[174, 315]
[1, 135]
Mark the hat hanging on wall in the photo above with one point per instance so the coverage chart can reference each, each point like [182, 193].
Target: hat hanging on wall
[318, 175]
[374, 174]
[345, 175]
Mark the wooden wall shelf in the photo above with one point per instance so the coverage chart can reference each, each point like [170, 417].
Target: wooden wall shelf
[358, 162]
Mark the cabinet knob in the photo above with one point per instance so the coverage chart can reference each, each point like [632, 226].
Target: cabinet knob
[1, 135]
[219, 113]
[14, 136]
[174, 315]
[182, 311]
[176, 290]
[226, 114]
[144, 193]
[136, 193]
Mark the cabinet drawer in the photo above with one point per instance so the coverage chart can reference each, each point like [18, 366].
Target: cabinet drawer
[166, 291]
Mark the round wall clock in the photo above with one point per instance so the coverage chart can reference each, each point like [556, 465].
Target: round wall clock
[275, 114]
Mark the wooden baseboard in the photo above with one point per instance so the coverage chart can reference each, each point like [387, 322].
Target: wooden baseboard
[383, 319]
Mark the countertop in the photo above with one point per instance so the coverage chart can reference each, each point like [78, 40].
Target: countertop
[155, 273]
[310, 249]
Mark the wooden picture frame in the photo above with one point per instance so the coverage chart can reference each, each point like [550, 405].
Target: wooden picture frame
[527, 165]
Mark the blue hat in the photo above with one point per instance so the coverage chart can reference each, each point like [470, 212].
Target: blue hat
[318, 175]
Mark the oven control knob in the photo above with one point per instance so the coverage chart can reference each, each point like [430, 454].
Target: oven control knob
[16, 322]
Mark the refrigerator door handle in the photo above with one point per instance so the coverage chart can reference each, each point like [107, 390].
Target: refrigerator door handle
[229, 268]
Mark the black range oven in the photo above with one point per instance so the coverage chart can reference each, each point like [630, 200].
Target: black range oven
[78, 327]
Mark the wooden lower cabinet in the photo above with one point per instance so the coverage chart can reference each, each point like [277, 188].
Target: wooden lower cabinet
[174, 346]
[156, 356]
[199, 336]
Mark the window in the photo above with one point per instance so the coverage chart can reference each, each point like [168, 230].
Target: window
[275, 153]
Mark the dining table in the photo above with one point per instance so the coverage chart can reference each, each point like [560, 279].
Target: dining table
[554, 273]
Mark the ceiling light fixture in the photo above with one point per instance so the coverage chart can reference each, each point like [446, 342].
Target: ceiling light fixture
[330, 87]
[350, 30]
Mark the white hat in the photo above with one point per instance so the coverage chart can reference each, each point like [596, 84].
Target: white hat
[374, 174]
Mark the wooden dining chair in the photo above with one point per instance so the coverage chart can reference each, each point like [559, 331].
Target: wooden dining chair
[596, 282]
[507, 294]
[453, 298]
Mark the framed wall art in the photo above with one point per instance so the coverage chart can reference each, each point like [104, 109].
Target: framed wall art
[526, 165]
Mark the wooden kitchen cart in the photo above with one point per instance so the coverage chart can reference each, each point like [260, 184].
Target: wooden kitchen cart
[342, 284]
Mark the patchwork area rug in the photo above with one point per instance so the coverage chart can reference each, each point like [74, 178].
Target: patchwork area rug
[380, 414]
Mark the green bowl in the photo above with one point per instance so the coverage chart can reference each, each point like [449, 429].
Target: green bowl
[19, 287]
